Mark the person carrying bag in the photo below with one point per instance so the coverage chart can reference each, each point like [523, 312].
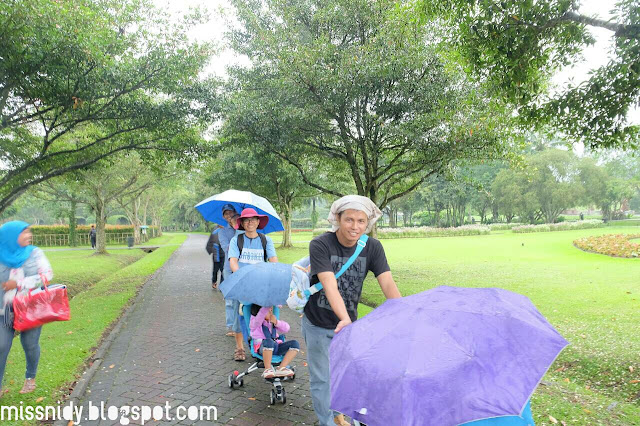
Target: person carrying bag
[23, 267]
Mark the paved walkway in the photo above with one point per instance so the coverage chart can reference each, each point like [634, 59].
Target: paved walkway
[172, 348]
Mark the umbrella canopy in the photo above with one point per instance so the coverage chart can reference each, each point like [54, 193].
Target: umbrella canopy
[264, 283]
[445, 356]
[211, 208]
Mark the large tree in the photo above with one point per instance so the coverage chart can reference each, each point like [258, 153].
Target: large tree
[117, 177]
[607, 187]
[548, 184]
[82, 80]
[517, 46]
[360, 86]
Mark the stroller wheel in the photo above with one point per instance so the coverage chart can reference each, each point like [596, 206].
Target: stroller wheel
[283, 396]
[241, 382]
[272, 399]
[231, 380]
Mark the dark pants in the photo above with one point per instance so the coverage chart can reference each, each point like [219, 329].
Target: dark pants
[93, 242]
[217, 266]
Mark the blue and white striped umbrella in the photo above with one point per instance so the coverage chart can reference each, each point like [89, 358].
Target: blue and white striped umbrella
[211, 208]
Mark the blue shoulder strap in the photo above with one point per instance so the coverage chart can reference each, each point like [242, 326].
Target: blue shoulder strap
[360, 244]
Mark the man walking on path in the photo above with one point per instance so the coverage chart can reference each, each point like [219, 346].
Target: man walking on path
[92, 236]
[214, 249]
[224, 236]
[336, 305]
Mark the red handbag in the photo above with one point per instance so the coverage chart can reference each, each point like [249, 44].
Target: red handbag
[41, 306]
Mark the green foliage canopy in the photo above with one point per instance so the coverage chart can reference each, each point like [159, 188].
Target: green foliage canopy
[515, 47]
[359, 85]
[81, 80]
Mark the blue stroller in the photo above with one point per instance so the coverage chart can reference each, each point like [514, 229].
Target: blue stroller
[237, 379]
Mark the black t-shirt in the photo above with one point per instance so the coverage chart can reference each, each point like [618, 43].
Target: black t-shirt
[327, 254]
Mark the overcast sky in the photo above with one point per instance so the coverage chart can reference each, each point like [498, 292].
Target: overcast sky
[594, 56]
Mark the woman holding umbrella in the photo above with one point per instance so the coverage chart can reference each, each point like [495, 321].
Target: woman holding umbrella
[253, 248]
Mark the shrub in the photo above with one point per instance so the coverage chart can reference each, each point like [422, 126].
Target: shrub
[64, 229]
[504, 226]
[425, 231]
[531, 228]
[618, 245]
[58, 235]
[563, 226]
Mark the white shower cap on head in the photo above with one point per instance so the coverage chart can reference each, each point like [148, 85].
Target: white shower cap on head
[354, 202]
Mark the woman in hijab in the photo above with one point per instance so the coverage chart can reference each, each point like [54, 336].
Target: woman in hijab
[22, 267]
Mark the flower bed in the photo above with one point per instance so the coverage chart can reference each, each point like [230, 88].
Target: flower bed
[562, 226]
[618, 245]
[425, 231]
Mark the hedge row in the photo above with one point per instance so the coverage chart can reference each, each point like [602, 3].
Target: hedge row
[562, 226]
[64, 229]
[425, 231]
[503, 226]
[58, 235]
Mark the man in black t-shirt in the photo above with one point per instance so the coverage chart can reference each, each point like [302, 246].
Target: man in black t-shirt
[336, 305]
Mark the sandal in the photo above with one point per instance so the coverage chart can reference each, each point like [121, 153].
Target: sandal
[239, 355]
[29, 386]
[230, 333]
[214, 285]
[269, 373]
[284, 372]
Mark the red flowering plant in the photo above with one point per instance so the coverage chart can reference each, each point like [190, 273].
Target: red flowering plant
[618, 245]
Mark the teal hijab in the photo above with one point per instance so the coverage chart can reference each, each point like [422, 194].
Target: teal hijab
[13, 254]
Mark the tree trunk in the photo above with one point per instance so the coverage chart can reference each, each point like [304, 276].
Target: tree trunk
[495, 212]
[286, 235]
[374, 231]
[314, 213]
[144, 211]
[136, 220]
[101, 220]
[73, 241]
[392, 218]
[155, 221]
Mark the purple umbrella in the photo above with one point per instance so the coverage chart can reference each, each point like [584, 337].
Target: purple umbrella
[442, 357]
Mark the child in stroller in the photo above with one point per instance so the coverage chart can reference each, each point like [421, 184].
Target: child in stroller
[265, 329]
[266, 353]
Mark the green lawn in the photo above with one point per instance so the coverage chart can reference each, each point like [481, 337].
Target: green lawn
[81, 269]
[108, 284]
[593, 301]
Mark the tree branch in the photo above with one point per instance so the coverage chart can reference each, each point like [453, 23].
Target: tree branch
[620, 30]
[304, 176]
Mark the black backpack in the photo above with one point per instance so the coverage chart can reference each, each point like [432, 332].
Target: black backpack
[263, 240]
